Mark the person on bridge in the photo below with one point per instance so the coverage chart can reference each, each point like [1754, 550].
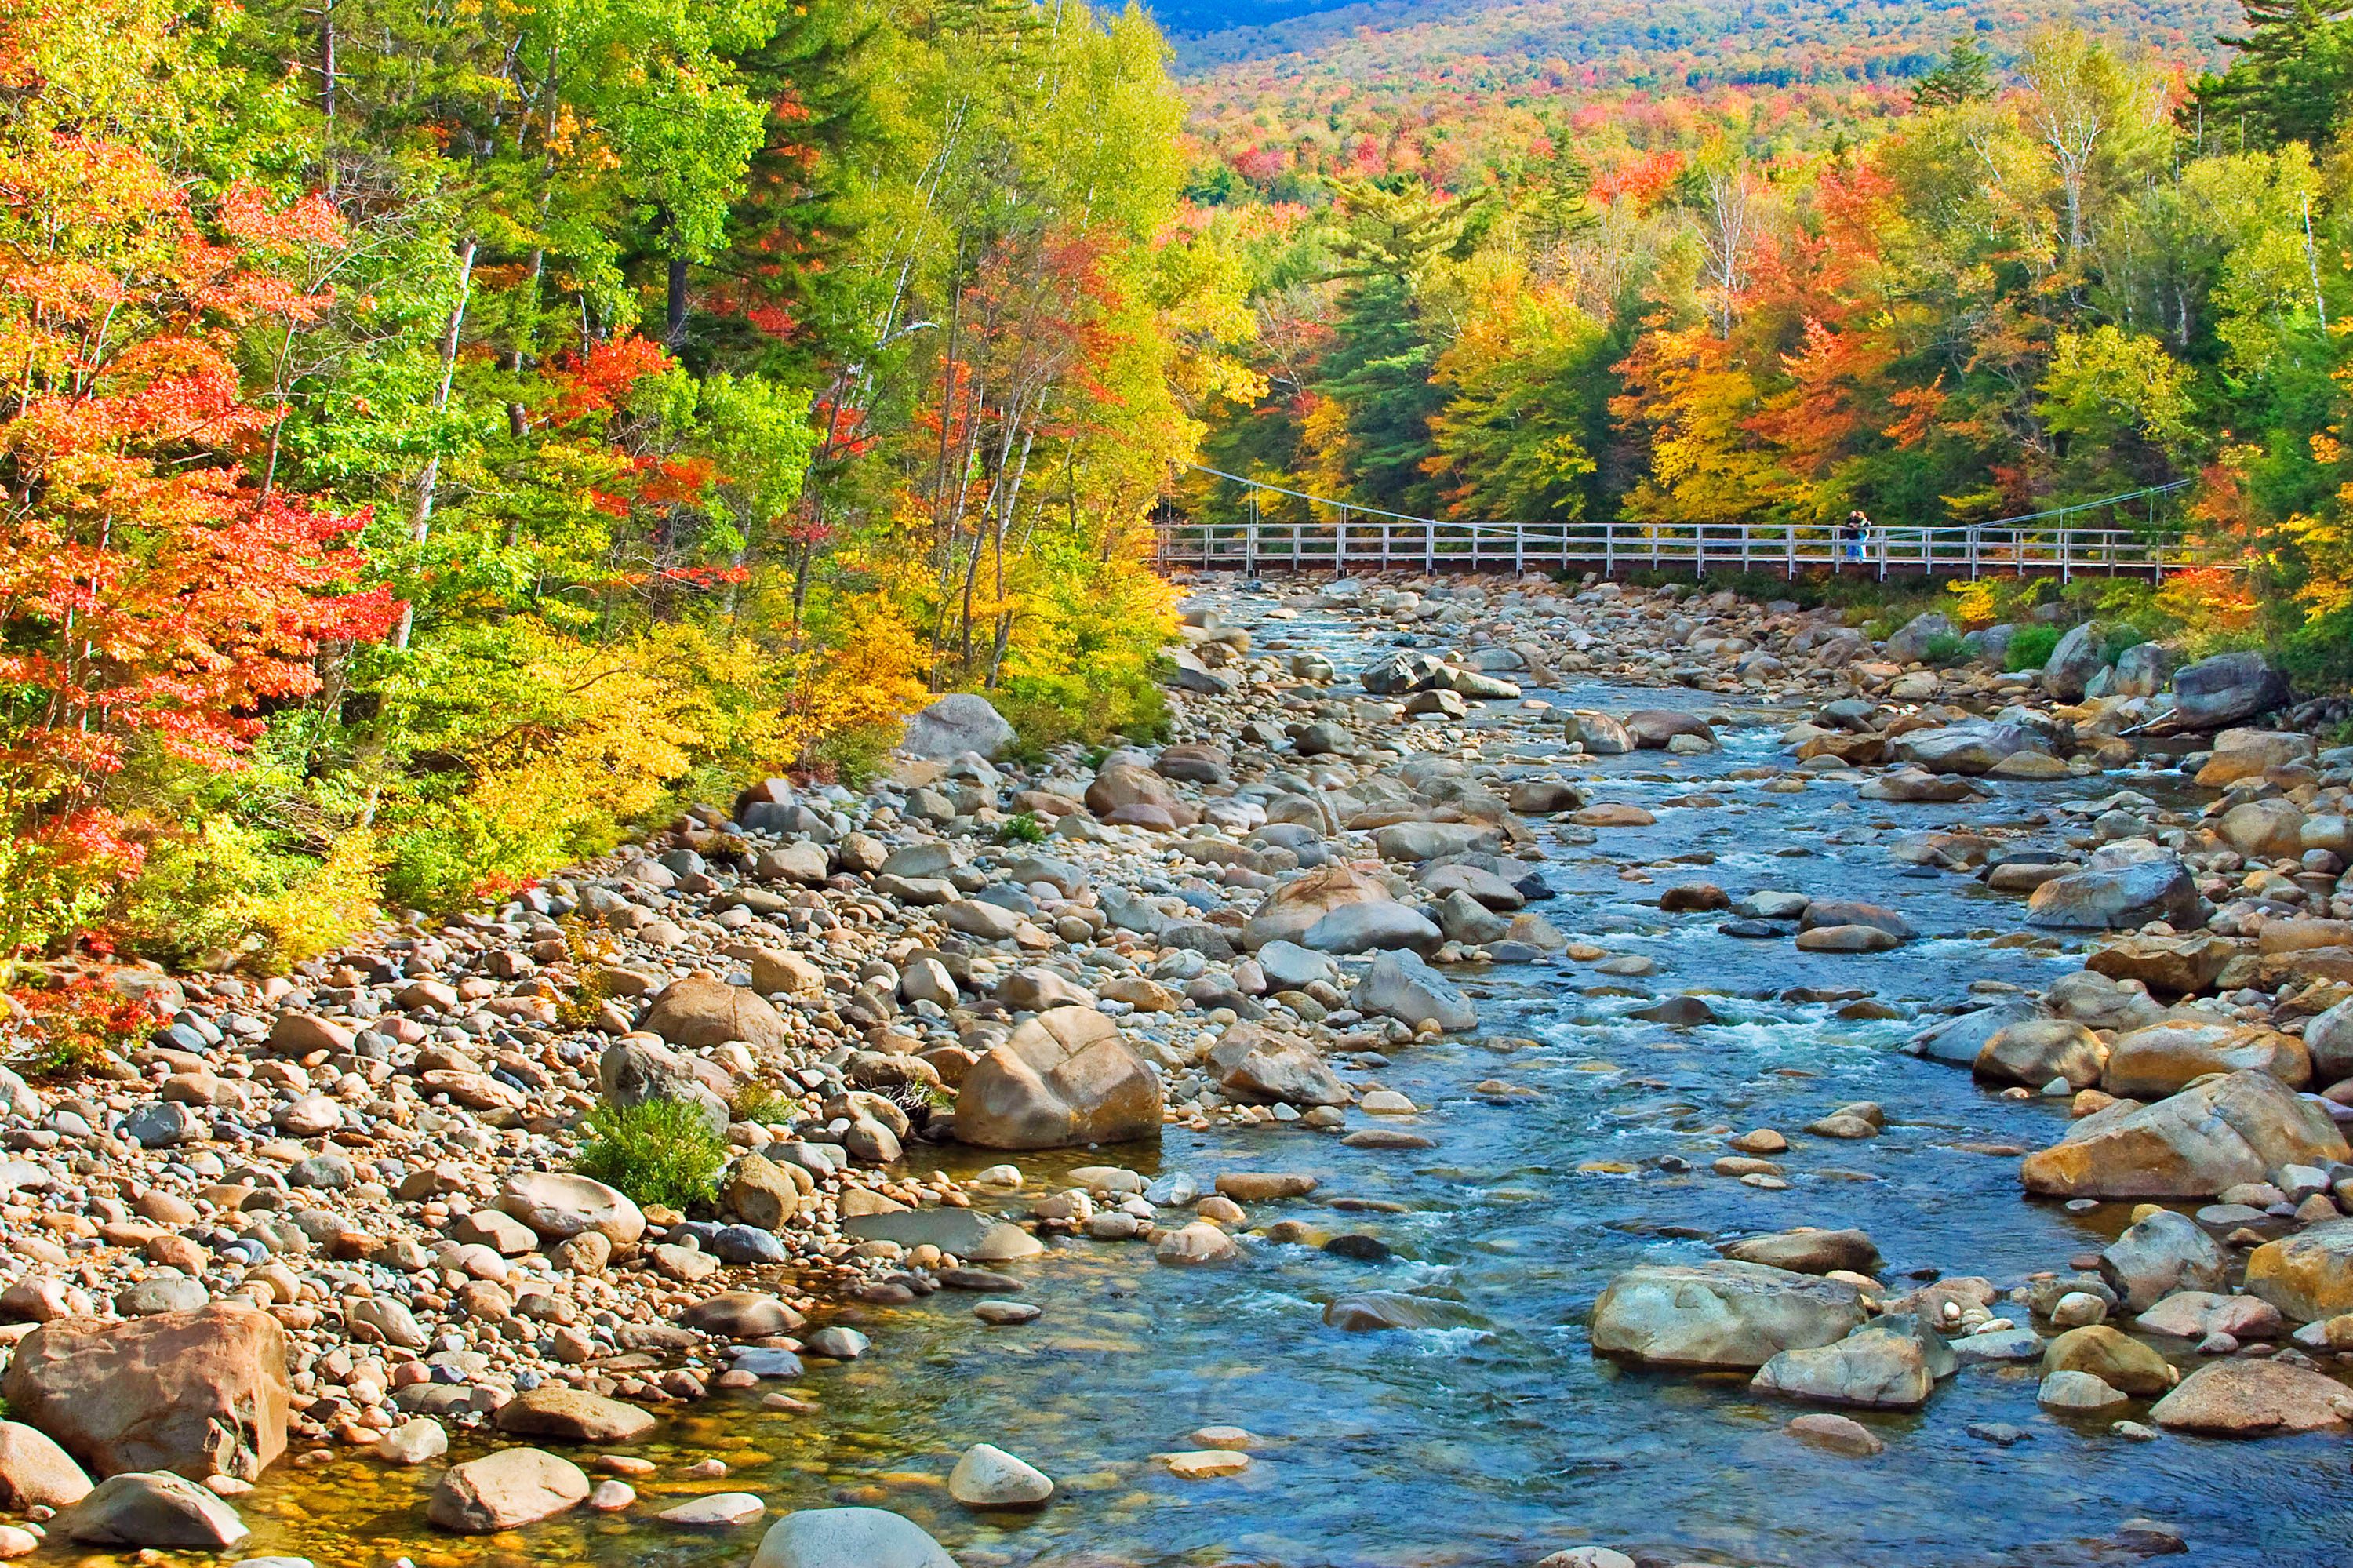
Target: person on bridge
[1850, 538]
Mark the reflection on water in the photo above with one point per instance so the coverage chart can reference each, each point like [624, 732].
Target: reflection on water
[1498, 1439]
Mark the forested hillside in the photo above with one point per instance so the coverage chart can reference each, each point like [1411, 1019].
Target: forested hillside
[439, 438]
[2060, 263]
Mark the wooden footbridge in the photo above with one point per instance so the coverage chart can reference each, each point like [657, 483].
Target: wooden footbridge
[2136, 533]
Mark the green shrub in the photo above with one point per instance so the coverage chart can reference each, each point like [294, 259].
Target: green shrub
[1945, 649]
[2119, 638]
[855, 757]
[663, 1151]
[2031, 648]
[1021, 829]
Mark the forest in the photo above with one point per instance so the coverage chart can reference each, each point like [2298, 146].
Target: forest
[2035, 273]
[442, 438]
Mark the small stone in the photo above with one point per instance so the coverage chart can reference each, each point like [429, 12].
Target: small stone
[1006, 1313]
[1207, 1464]
[988, 1476]
[1839, 1433]
[612, 1497]
[719, 1511]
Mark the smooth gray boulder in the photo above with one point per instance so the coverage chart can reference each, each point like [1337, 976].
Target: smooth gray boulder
[849, 1538]
[2160, 1254]
[1878, 1368]
[2110, 898]
[1721, 1314]
[151, 1508]
[2228, 689]
[956, 724]
[2078, 657]
[1402, 987]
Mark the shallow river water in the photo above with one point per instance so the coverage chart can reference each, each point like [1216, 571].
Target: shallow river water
[1501, 1437]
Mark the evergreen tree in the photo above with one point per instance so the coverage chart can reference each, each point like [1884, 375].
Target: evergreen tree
[2293, 80]
[1966, 77]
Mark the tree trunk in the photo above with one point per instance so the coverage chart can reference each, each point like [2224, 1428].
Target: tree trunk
[420, 516]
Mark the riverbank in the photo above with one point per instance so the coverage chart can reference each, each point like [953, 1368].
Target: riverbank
[1631, 962]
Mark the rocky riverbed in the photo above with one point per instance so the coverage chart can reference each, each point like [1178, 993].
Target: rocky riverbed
[1524, 1069]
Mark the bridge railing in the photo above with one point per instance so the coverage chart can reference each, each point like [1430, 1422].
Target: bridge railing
[1358, 538]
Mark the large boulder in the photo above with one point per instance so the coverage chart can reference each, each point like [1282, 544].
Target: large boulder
[1720, 1314]
[2235, 1398]
[558, 1206]
[2107, 898]
[2176, 965]
[955, 724]
[2114, 1357]
[1258, 1066]
[2328, 1038]
[201, 1392]
[1402, 987]
[2214, 1135]
[1427, 841]
[573, 1415]
[2251, 753]
[638, 1069]
[700, 1011]
[1966, 749]
[504, 1491]
[2078, 656]
[1120, 785]
[849, 1538]
[1063, 1077]
[1395, 675]
[1808, 1251]
[2228, 689]
[2164, 1058]
[1654, 729]
[2308, 1276]
[1369, 928]
[1962, 1039]
[1289, 912]
[1908, 644]
[2264, 829]
[2034, 1051]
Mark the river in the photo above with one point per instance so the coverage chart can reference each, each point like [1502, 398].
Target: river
[1500, 1436]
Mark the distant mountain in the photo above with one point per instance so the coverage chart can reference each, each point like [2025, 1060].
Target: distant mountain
[1193, 18]
[1655, 43]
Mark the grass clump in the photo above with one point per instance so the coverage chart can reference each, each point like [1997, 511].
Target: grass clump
[1023, 828]
[765, 1104]
[663, 1151]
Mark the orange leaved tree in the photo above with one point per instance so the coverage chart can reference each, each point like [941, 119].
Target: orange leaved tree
[155, 600]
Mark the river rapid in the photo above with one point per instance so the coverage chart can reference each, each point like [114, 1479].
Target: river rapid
[1496, 1435]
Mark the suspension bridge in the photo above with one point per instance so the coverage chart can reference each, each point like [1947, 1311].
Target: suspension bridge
[2138, 533]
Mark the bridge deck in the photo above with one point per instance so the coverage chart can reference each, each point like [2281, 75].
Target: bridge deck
[1360, 539]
